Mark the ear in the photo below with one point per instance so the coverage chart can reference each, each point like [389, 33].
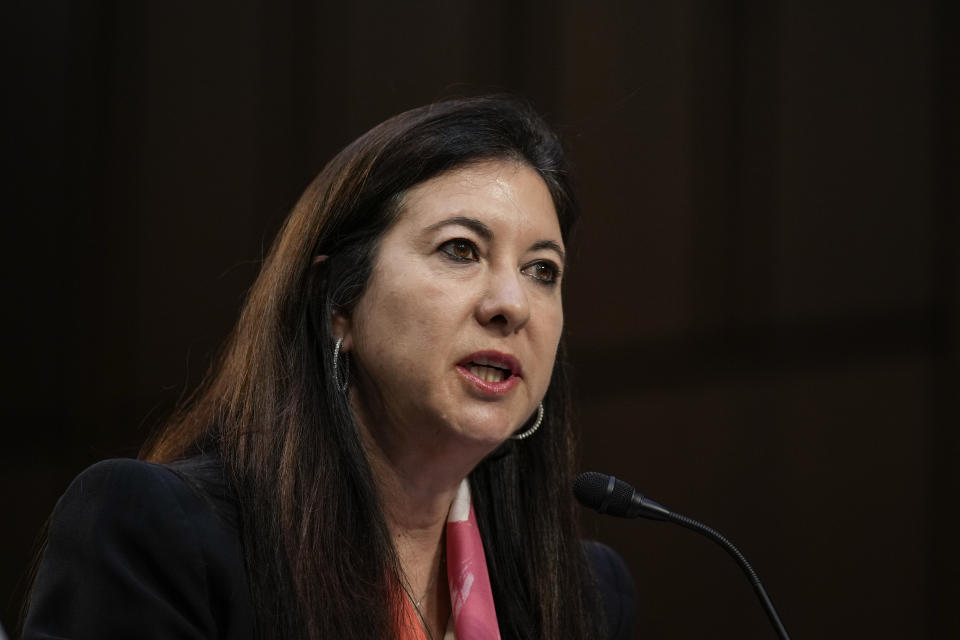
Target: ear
[340, 324]
[342, 328]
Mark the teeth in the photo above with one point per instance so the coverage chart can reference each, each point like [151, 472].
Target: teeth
[488, 374]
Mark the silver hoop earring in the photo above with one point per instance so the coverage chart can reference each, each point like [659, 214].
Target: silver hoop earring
[341, 386]
[536, 425]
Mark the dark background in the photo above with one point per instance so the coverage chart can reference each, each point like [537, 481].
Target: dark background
[762, 311]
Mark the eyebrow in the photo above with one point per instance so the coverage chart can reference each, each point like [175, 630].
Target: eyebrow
[473, 224]
[553, 246]
[484, 232]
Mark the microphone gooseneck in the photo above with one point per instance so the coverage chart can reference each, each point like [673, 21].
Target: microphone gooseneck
[611, 496]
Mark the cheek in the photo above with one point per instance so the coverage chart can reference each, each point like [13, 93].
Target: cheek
[403, 320]
[547, 341]
[552, 326]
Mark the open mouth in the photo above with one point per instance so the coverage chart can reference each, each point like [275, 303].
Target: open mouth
[494, 371]
[488, 373]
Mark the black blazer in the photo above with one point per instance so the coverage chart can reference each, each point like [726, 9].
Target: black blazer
[142, 550]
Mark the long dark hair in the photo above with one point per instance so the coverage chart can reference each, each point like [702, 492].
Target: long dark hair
[320, 562]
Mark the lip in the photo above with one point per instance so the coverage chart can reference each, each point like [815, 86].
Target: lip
[497, 359]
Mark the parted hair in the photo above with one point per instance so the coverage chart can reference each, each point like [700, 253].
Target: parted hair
[319, 559]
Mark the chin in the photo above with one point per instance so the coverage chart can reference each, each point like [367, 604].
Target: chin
[483, 423]
[484, 434]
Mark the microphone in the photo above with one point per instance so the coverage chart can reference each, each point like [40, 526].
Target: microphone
[609, 495]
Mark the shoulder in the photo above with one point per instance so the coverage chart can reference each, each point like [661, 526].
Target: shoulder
[133, 496]
[133, 545]
[117, 498]
[108, 485]
[126, 475]
[617, 589]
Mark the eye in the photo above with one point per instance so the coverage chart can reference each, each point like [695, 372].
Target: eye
[543, 271]
[461, 250]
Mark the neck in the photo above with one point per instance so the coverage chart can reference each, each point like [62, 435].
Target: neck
[418, 475]
[417, 468]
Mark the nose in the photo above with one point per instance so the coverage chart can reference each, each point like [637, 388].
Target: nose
[504, 305]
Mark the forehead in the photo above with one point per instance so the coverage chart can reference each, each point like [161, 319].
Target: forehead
[503, 194]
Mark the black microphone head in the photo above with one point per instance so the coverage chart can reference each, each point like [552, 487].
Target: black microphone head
[604, 493]
[590, 488]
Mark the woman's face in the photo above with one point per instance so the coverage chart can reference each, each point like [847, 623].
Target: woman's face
[457, 330]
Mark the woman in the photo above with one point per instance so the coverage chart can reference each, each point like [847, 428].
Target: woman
[384, 447]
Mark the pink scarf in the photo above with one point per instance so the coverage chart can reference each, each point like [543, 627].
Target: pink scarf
[473, 615]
